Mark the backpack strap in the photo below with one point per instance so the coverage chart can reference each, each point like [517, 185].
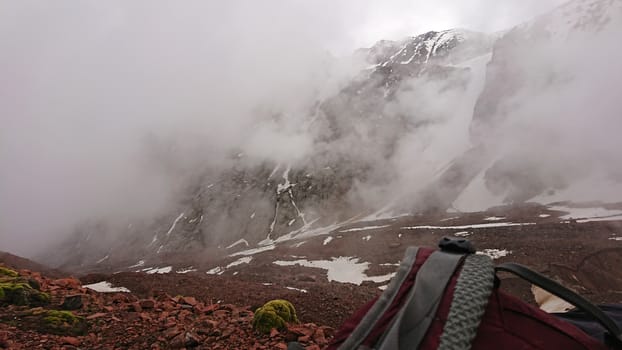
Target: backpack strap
[614, 334]
[410, 325]
[383, 303]
[470, 299]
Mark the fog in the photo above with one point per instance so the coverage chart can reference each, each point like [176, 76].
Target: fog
[107, 107]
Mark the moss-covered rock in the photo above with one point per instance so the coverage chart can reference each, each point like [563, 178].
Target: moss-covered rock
[274, 314]
[8, 272]
[19, 292]
[62, 323]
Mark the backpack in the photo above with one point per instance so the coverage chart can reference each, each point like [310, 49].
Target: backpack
[450, 299]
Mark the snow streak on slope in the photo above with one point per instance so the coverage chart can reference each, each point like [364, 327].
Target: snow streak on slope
[464, 227]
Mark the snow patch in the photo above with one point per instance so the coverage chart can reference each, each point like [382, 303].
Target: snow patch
[297, 289]
[327, 240]
[495, 218]
[238, 242]
[185, 270]
[544, 215]
[102, 259]
[254, 251]
[586, 213]
[356, 229]
[608, 218]
[160, 270]
[341, 269]
[463, 227]
[462, 234]
[174, 224]
[367, 238]
[495, 253]
[105, 287]
[138, 264]
[240, 261]
[286, 185]
[215, 271]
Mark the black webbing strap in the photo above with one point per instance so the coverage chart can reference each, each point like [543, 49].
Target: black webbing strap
[615, 335]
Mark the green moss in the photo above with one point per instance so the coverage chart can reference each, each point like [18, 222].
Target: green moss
[41, 298]
[19, 292]
[63, 323]
[57, 316]
[8, 272]
[15, 293]
[274, 314]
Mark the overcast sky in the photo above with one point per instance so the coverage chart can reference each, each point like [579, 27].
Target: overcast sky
[368, 21]
[339, 25]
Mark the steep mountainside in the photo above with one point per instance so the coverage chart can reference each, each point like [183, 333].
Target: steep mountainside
[435, 121]
[252, 203]
[536, 113]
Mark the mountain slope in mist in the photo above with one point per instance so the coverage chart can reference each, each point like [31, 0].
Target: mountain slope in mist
[441, 120]
[360, 137]
[542, 126]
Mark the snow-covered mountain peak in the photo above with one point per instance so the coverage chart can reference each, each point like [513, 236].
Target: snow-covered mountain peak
[433, 46]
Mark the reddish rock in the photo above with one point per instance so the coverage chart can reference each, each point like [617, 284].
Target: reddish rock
[67, 283]
[329, 332]
[177, 342]
[70, 341]
[319, 337]
[304, 339]
[209, 324]
[222, 313]
[211, 308]
[274, 333]
[147, 303]
[135, 307]
[188, 300]
[95, 315]
[191, 340]
[227, 333]
[305, 330]
[172, 332]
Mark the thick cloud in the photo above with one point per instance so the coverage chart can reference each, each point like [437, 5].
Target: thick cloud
[104, 104]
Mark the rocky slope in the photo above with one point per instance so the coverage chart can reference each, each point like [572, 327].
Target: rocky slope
[327, 274]
[99, 316]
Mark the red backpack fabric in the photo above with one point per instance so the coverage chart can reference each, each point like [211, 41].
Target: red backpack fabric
[507, 322]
